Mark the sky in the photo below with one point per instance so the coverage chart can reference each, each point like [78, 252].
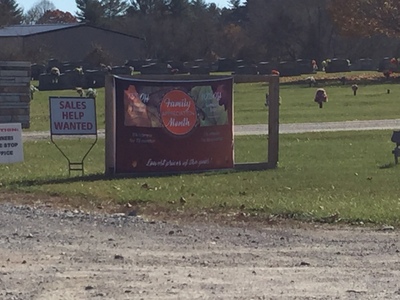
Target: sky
[70, 5]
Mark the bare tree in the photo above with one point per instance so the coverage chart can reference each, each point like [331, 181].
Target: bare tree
[38, 10]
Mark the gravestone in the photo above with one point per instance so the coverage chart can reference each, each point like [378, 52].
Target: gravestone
[226, 65]
[36, 70]
[136, 64]
[48, 82]
[288, 68]
[246, 70]
[305, 66]
[121, 70]
[94, 78]
[199, 70]
[53, 63]
[266, 67]
[363, 64]
[155, 68]
[336, 65]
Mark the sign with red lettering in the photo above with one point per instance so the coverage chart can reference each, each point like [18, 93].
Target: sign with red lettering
[11, 147]
[172, 125]
[72, 116]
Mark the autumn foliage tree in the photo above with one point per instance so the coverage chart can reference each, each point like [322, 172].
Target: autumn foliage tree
[366, 17]
[56, 16]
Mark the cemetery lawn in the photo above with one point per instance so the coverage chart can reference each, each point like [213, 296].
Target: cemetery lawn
[341, 177]
[371, 102]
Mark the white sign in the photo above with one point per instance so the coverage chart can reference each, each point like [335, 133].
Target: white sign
[72, 116]
[11, 147]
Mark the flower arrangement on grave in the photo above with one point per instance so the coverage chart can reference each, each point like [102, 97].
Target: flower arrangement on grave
[311, 81]
[275, 72]
[387, 73]
[321, 97]
[91, 93]
[354, 87]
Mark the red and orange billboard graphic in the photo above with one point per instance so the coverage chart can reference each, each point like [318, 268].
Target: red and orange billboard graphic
[173, 126]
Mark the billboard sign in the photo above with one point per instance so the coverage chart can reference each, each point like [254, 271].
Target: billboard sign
[173, 125]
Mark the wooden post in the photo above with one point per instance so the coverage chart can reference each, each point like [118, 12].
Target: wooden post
[110, 126]
[273, 122]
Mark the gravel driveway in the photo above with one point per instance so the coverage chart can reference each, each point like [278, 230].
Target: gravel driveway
[52, 253]
[47, 253]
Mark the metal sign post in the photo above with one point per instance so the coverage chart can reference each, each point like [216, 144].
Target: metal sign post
[73, 116]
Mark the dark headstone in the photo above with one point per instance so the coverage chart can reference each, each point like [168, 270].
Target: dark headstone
[51, 63]
[136, 63]
[265, 67]
[226, 65]
[121, 70]
[156, 68]
[199, 70]
[36, 70]
[384, 64]
[74, 79]
[48, 82]
[94, 78]
[246, 70]
[305, 66]
[336, 65]
[363, 64]
[178, 67]
[288, 68]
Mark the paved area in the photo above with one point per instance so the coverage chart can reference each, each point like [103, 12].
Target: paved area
[318, 127]
[256, 129]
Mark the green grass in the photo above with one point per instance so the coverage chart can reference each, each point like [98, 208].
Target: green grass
[319, 174]
[372, 102]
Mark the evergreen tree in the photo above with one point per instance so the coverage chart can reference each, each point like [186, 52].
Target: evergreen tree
[10, 13]
[90, 11]
[148, 7]
[114, 8]
[178, 8]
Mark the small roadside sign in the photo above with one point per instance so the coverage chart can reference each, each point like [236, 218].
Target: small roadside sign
[11, 146]
[73, 116]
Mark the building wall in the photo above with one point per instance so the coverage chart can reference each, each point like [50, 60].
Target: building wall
[11, 47]
[74, 44]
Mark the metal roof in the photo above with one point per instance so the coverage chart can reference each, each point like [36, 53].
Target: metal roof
[25, 30]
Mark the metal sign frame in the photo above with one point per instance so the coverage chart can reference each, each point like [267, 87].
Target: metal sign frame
[73, 112]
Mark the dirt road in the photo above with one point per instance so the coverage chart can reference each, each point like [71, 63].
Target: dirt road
[47, 253]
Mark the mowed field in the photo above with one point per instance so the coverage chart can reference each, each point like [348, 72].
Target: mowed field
[349, 175]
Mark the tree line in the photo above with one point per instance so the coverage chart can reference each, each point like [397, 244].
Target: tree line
[253, 31]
